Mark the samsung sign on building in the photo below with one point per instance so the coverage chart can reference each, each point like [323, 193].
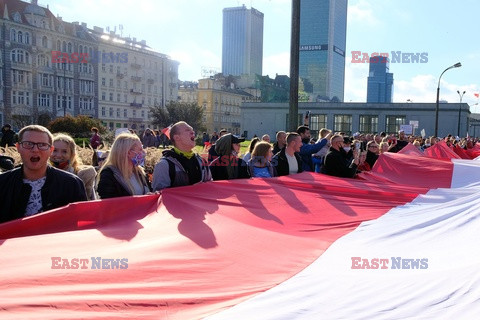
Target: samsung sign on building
[321, 47]
[314, 47]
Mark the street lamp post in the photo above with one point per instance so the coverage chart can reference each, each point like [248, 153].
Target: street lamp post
[64, 96]
[456, 65]
[460, 110]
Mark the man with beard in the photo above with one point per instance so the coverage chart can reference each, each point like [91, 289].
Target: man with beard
[307, 149]
[35, 186]
[180, 166]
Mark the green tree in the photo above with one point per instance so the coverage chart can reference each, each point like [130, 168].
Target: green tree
[44, 118]
[77, 127]
[175, 111]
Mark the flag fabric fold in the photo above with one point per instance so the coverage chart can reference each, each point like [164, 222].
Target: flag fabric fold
[278, 248]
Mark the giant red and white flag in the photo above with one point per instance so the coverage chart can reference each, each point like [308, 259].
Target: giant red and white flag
[306, 246]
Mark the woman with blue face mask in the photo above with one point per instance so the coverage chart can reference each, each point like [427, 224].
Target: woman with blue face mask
[123, 173]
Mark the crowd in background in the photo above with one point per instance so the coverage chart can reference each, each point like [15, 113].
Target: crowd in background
[51, 175]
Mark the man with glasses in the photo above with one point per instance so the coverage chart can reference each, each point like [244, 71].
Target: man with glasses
[336, 163]
[35, 186]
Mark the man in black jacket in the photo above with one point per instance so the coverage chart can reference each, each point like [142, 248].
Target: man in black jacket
[280, 143]
[288, 160]
[35, 186]
[336, 163]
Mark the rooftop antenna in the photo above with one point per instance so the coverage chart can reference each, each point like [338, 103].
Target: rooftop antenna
[120, 27]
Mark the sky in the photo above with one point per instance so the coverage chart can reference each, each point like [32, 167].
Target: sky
[190, 31]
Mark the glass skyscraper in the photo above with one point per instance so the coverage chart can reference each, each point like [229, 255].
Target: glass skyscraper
[380, 81]
[323, 34]
[242, 41]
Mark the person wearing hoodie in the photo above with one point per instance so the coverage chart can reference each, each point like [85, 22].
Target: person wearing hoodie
[180, 166]
[228, 165]
[8, 136]
[149, 139]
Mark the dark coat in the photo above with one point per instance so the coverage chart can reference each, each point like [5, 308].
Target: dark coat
[8, 138]
[336, 164]
[218, 168]
[111, 184]
[371, 158]
[60, 189]
[280, 162]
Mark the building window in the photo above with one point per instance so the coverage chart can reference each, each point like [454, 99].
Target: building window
[392, 123]
[103, 95]
[44, 100]
[104, 82]
[44, 42]
[118, 113]
[103, 111]
[111, 83]
[43, 61]
[21, 97]
[125, 114]
[317, 122]
[20, 36]
[13, 35]
[343, 123]
[110, 96]
[20, 76]
[46, 80]
[110, 112]
[368, 124]
[20, 56]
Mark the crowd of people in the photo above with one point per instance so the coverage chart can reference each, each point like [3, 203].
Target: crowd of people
[51, 175]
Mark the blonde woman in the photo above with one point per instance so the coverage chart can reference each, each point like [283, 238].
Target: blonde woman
[64, 157]
[260, 164]
[383, 147]
[122, 174]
